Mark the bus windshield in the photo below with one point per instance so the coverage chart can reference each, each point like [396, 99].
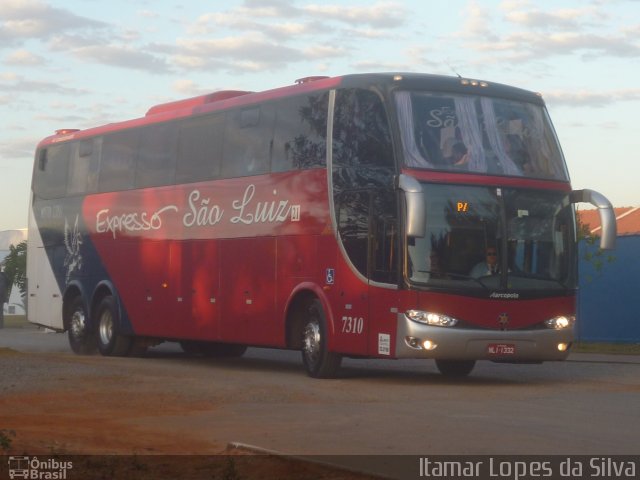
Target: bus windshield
[474, 234]
[475, 134]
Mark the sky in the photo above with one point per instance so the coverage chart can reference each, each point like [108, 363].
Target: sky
[84, 63]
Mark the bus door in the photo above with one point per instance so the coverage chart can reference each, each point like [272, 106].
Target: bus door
[363, 170]
[383, 271]
[368, 232]
[351, 312]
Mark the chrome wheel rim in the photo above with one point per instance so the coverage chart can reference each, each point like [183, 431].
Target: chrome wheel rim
[106, 327]
[311, 341]
[78, 324]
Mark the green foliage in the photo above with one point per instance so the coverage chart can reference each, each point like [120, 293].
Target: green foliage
[592, 254]
[6, 438]
[15, 266]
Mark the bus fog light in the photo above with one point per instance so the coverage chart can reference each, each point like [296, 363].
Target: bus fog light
[429, 345]
[430, 318]
[561, 322]
[563, 347]
[419, 344]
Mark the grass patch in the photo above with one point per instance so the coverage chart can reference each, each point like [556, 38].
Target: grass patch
[6, 352]
[607, 348]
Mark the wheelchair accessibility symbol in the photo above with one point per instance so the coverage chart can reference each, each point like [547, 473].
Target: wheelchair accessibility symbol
[330, 276]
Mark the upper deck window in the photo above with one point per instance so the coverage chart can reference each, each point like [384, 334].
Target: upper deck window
[475, 134]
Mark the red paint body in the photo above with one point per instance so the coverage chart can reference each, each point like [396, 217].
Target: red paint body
[222, 260]
[230, 278]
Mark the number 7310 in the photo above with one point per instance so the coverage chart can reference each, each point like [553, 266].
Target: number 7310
[352, 325]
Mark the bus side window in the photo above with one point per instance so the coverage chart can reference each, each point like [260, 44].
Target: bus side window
[362, 148]
[83, 166]
[200, 149]
[353, 227]
[248, 139]
[384, 236]
[156, 163]
[361, 131]
[117, 166]
[50, 178]
[299, 139]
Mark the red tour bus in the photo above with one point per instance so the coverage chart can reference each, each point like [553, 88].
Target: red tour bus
[375, 215]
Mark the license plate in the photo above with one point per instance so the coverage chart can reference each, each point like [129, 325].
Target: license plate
[501, 349]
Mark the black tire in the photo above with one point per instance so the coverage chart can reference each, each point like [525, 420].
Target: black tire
[213, 349]
[317, 359]
[191, 347]
[111, 342]
[455, 368]
[82, 339]
[138, 348]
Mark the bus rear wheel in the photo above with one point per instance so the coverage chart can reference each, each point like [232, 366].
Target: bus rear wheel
[110, 341]
[82, 339]
[318, 360]
[455, 368]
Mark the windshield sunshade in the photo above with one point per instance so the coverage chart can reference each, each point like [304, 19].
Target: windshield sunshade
[478, 134]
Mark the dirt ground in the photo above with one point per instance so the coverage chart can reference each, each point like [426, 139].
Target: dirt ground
[117, 425]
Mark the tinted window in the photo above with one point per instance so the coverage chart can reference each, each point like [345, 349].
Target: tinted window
[383, 236]
[83, 166]
[361, 135]
[367, 227]
[200, 149]
[157, 157]
[50, 177]
[248, 140]
[117, 169]
[353, 226]
[300, 134]
[362, 149]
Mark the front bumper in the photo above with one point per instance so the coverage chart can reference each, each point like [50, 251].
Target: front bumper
[454, 343]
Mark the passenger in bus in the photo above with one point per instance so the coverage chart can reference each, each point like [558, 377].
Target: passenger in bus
[459, 155]
[515, 149]
[487, 267]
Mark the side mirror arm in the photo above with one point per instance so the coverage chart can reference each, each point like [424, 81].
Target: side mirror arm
[607, 215]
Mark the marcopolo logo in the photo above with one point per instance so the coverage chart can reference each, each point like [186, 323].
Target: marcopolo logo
[33, 468]
[505, 296]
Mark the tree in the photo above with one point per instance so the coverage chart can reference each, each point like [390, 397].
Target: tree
[15, 266]
[592, 253]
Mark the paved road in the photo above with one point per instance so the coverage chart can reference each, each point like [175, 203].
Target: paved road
[588, 405]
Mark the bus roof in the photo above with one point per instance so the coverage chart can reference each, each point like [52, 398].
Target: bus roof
[227, 99]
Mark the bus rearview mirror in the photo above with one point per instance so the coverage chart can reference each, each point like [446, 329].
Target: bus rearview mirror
[415, 206]
[607, 215]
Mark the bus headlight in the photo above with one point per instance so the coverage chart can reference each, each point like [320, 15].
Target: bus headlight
[561, 322]
[430, 318]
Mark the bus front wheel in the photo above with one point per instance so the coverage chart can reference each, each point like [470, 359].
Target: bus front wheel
[318, 360]
[455, 368]
[82, 339]
[110, 341]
